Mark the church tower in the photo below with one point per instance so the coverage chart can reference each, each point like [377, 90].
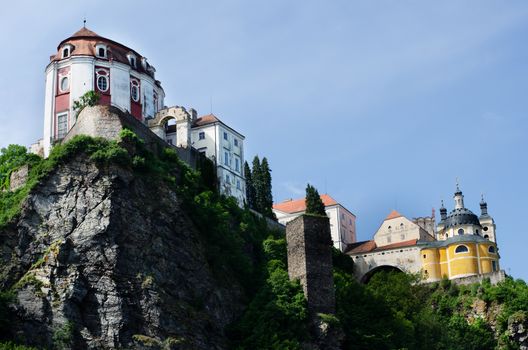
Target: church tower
[460, 221]
[487, 222]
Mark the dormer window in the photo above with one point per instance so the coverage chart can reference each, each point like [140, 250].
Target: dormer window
[100, 50]
[67, 50]
[132, 60]
[144, 63]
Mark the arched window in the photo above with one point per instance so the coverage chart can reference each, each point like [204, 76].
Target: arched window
[461, 249]
[102, 83]
[486, 236]
[102, 80]
[66, 52]
[491, 249]
[460, 231]
[100, 50]
[134, 90]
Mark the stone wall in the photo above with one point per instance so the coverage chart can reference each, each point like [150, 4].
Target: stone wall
[494, 277]
[18, 177]
[310, 261]
[108, 121]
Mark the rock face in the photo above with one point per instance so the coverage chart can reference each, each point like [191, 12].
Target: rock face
[104, 259]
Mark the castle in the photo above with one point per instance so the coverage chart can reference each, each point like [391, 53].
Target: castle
[463, 246]
[125, 79]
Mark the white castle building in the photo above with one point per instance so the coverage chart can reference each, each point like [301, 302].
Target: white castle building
[125, 79]
[342, 221]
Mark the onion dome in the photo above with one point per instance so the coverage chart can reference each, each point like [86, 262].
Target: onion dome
[461, 216]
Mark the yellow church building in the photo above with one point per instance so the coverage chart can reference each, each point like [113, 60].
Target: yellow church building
[461, 246]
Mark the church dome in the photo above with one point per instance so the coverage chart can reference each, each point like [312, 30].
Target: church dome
[461, 216]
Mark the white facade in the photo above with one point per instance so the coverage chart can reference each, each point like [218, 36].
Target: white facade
[77, 68]
[396, 228]
[342, 221]
[225, 147]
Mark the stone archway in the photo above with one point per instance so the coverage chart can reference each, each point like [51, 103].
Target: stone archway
[180, 134]
[367, 276]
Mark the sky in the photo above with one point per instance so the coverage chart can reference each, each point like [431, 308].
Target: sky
[381, 104]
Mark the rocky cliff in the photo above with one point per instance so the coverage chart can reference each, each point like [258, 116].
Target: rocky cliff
[102, 258]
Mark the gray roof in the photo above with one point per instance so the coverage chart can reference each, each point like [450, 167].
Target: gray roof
[461, 216]
[454, 239]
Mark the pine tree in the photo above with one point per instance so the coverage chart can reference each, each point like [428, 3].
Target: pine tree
[314, 204]
[267, 196]
[258, 185]
[250, 187]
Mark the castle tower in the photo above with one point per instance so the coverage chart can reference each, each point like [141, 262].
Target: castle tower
[86, 61]
[310, 261]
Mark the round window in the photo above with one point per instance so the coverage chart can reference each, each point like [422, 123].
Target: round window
[460, 231]
[64, 84]
[102, 83]
[485, 228]
[135, 93]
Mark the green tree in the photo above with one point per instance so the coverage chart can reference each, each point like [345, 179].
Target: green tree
[90, 98]
[250, 187]
[12, 158]
[314, 204]
[267, 196]
[258, 184]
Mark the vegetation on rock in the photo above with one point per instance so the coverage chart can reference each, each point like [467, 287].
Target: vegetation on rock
[391, 312]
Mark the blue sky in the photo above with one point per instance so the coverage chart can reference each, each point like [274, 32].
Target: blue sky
[382, 104]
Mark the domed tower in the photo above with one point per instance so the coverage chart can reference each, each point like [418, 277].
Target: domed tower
[487, 222]
[87, 61]
[460, 221]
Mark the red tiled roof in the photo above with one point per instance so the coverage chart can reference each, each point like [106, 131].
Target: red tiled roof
[393, 214]
[399, 244]
[298, 205]
[370, 246]
[205, 120]
[362, 247]
[84, 32]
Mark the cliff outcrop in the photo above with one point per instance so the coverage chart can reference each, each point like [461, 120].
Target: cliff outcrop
[101, 258]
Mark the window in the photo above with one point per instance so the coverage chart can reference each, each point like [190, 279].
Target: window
[461, 249]
[225, 135]
[102, 83]
[493, 265]
[100, 50]
[134, 90]
[201, 136]
[389, 227]
[476, 231]
[491, 249]
[237, 164]
[66, 52]
[169, 141]
[238, 185]
[132, 60]
[460, 231]
[424, 256]
[226, 158]
[485, 228]
[486, 236]
[62, 125]
[227, 179]
[236, 142]
[64, 84]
